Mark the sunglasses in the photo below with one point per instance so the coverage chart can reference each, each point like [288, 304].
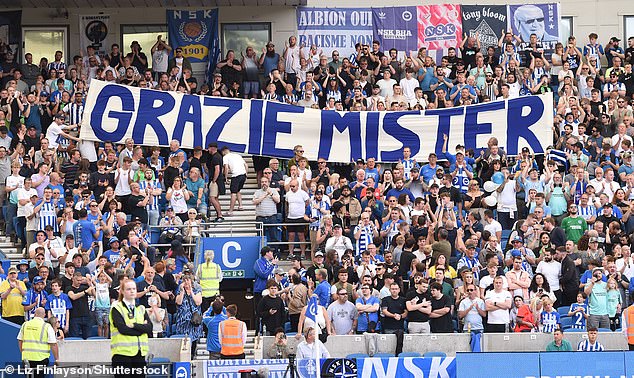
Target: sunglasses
[343, 293]
[470, 290]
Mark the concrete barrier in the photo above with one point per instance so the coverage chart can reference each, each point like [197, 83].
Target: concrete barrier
[98, 351]
[536, 342]
[341, 346]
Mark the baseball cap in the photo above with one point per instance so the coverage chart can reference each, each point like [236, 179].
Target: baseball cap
[615, 39]
[44, 94]
[517, 238]
[415, 169]
[319, 253]
[525, 149]
[212, 144]
[23, 262]
[113, 239]
[70, 236]
[319, 191]
[516, 253]
[598, 268]
[13, 269]
[360, 161]
[336, 226]
[37, 280]
[279, 271]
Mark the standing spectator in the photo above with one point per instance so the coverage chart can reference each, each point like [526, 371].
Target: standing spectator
[160, 56]
[58, 304]
[80, 312]
[210, 275]
[418, 306]
[265, 200]
[343, 314]
[35, 298]
[551, 269]
[472, 310]
[13, 291]
[596, 290]
[188, 299]
[368, 308]
[498, 304]
[322, 287]
[440, 317]
[591, 344]
[263, 269]
[627, 322]
[394, 310]
[235, 165]
[569, 279]
[217, 187]
[271, 309]
[212, 323]
[296, 200]
[549, 318]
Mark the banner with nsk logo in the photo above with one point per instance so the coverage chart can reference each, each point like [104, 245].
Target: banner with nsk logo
[114, 112]
[333, 29]
[196, 32]
[94, 31]
[396, 28]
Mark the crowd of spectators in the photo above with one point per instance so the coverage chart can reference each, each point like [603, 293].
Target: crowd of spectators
[465, 240]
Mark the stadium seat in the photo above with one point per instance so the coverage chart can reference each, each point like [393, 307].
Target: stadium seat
[383, 355]
[605, 330]
[94, 331]
[289, 334]
[357, 355]
[159, 360]
[97, 338]
[576, 330]
[179, 336]
[563, 310]
[434, 354]
[409, 354]
[566, 322]
[72, 338]
[618, 330]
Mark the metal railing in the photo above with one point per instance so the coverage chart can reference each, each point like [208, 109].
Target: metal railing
[211, 229]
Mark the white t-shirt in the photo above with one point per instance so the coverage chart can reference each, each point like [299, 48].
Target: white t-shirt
[487, 281]
[387, 88]
[160, 59]
[493, 227]
[507, 201]
[408, 88]
[296, 203]
[550, 270]
[52, 133]
[236, 164]
[123, 186]
[24, 194]
[498, 316]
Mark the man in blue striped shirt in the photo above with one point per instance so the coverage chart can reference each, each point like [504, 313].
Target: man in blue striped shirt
[47, 211]
[591, 344]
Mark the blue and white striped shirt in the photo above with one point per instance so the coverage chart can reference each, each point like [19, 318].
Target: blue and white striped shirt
[587, 212]
[586, 346]
[48, 216]
[408, 165]
[154, 184]
[75, 113]
[58, 307]
[549, 321]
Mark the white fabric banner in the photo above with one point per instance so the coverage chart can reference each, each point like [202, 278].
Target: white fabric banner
[94, 30]
[115, 112]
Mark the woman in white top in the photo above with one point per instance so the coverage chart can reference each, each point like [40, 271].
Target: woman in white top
[157, 315]
[123, 179]
[322, 327]
[178, 198]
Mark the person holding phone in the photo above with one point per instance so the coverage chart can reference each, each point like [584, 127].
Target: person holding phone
[596, 290]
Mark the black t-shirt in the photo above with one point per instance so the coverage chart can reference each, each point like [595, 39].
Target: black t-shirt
[417, 316]
[394, 306]
[212, 162]
[454, 193]
[468, 56]
[80, 305]
[442, 324]
[137, 211]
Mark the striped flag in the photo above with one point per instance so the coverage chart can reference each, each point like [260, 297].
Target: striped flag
[311, 311]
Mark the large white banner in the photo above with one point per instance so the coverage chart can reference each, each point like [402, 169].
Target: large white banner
[94, 30]
[115, 112]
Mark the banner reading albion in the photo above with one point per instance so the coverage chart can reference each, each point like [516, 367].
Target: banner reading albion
[115, 112]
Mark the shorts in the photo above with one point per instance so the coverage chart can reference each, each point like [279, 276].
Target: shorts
[296, 227]
[213, 189]
[237, 183]
[260, 162]
[251, 87]
[101, 316]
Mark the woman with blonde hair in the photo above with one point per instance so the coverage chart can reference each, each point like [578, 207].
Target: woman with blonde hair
[157, 316]
[210, 275]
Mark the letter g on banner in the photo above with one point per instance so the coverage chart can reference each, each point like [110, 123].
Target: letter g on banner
[124, 117]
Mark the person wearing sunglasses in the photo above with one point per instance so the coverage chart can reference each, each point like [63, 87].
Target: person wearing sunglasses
[472, 310]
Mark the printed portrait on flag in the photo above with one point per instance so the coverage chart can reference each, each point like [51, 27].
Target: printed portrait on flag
[539, 19]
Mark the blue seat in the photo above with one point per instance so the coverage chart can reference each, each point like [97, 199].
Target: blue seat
[566, 322]
[563, 310]
[356, 355]
[179, 336]
[383, 355]
[97, 338]
[434, 354]
[289, 334]
[618, 330]
[287, 327]
[72, 338]
[94, 331]
[160, 360]
[409, 354]
[605, 330]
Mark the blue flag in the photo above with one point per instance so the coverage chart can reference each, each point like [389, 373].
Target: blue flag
[311, 311]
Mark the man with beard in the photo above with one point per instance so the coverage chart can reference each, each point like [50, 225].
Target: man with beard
[574, 225]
